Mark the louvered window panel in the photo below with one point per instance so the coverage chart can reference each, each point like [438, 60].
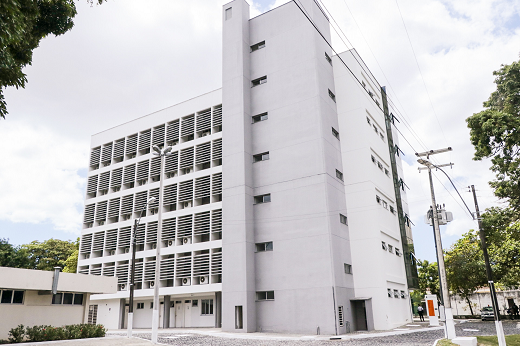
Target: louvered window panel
[86, 243]
[95, 271]
[104, 181]
[149, 271]
[125, 233]
[129, 174]
[168, 229]
[184, 226]
[119, 149]
[183, 266]
[131, 145]
[217, 115]
[122, 273]
[89, 213]
[201, 265]
[172, 162]
[186, 158]
[155, 166]
[111, 240]
[158, 135]
[172, 131]
[140, 234]
[216, 262]
[83, 270]
[202, 223]
[167, 268]
[202, 187]
[217, 149]
[216, 220]
[139, 266]
[186, 191]
[154, 193]
[109, 270]
[127, 204]
[204, 120]
[170, 194]
[142, 169]
[203, 153]
[99, 241]
[188, 125]
[151, 232]
[113, 207]
[117, 177]
[216, 184]
[144, 139]
[106, 153]
[94, 156]
[92, 184]
[101, 211]
[140, 201]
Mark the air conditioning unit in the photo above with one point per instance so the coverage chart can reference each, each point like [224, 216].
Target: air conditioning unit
[133, 156]
[186, 282]
[126, 217]
[112, 252]
[188, 170]
[154, 246]
[127, 250]
[87, 256]
[152, 283]
[123, 287]
[118, 188]
[186, 240]
[170, 242]
[101, 223]
[204, 280]
[155, 179]
[186, 204]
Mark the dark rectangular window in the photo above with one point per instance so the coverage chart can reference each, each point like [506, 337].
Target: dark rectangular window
[339, 175]
[195, 302]
[389, 292]
[335, 133]
[261, 157]
[7, 297]
[78, 299]
[343, 219]
[258, 81]
[68, 298]
[207, 306]
[383, 245]
[259, 117]
[263, 198]
[403, 295]
[56, 298]
[327, 57]
[265, 295]
[18, 297]
[258, 46]
[140, 305]
[239, 321]
[267, 246]
[348, 268]
[332, 96]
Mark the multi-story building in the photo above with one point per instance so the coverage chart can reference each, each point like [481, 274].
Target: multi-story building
[274, 215]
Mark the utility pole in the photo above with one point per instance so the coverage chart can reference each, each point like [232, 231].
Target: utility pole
[449, 324]
[489, 272]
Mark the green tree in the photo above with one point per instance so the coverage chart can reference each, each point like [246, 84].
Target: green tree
[428, 277]
[12, 256]
[23, 23]
[465, 268]
[49, 254]
[494, 134]
[71, 264]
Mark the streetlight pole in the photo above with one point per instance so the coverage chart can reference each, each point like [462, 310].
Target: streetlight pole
[162, 153]
[132, 269]
[489, 272]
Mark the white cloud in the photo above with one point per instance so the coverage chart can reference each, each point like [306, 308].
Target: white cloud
[39, 176]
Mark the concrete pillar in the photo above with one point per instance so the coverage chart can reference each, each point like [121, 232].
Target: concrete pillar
[166, 315]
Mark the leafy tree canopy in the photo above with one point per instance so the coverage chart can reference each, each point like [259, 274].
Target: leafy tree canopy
[23, 23]
[428, 277]
[50, 253]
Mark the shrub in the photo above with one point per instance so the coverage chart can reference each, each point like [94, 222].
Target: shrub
[74, 331]
[16, 334]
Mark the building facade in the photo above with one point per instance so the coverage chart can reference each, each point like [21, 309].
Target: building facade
[274, 216]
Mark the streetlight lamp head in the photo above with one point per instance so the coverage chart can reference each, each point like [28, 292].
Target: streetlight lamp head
[167, 149]
[151, 200]
[425, 162]
[156, 149]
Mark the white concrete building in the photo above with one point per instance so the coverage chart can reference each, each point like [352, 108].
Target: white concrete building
[265, 173]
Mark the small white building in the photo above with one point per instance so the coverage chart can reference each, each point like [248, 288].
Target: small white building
[26, 298]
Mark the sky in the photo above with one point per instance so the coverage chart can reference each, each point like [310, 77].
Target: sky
[125, 59]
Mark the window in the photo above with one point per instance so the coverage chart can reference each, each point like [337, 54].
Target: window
[262, 247]
[259, 117]
[343, 219]
[389, 292]
[392, 210]
[398, 252]
[403, 295]
[363, 84]
[340, 316]
[375, 128]
[238, 317]
[265, 295]
[151, 305]
[396, 293]
[258, 46]
[140, 305]
[382, 136]
[335, 133]
[11, 297]
[390, 248]
[261, 157]
[339, 175]
[327, 57]
[368, 121]
[263, 198]
[378, 199]
[387, 172]
[258, 81]
[332, 96]
[348, 268]
[68, 298]
[373, 159]
[228, 13]
[195, 303]
[383, 246]
[380, 165]
[206, 307]
[385, 205]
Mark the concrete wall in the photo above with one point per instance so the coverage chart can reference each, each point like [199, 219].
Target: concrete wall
[483, 299]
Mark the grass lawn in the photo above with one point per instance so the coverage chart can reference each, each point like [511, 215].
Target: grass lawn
[511, 340]
[446, 342]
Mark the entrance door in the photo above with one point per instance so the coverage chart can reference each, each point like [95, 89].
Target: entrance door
[126, 315]
[187, 313]
[179, 314]
[360, 315]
